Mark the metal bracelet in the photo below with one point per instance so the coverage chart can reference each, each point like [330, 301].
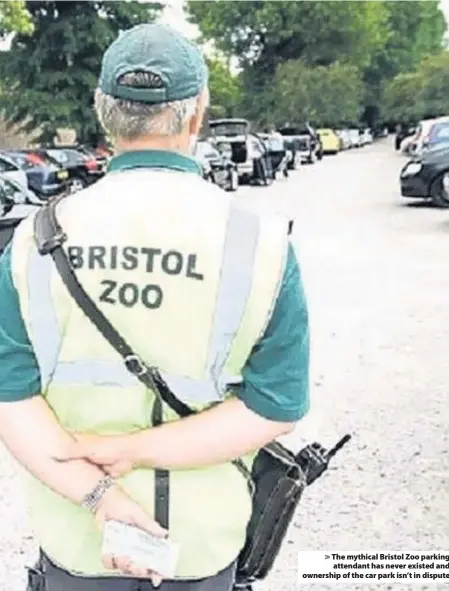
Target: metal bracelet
[93, 499]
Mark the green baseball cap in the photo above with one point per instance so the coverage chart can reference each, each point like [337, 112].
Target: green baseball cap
[178, 66]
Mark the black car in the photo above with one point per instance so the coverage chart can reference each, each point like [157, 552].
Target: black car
[215, 160]
[306, 141]
[83, 167]
[427, 176]
[96, 158]
[46, 178]
[16, 203]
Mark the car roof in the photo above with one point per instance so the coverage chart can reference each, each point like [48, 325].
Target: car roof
[218, 121]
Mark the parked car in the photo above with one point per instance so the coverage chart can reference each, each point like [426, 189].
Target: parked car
[307, 141]
[16, 203]
[46, 178]
[345, 139]
[10, 169]
[248, 151]
[426, 176]
[329, 141]
[354, 137]
[217, 165]
[83, 167]
[437, 134]
[413, 145]
[367, 136]
[96, 158]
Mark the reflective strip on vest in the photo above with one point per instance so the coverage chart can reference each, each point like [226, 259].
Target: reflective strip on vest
[240, 247]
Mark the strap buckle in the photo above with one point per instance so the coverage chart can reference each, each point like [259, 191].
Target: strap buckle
[51, 244]
[135, 365]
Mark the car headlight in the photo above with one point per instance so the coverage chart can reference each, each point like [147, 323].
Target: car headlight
[412, 168]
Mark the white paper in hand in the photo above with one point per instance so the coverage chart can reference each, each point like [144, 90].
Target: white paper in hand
[159, 555]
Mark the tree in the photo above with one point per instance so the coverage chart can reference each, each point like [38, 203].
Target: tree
[225, 89]
[307, 93]
[434, 94]
[49, 77]
[402, 101]
[263, 35]
[15, 18]
[292, 99]
[414, 30]
[317, 32]
[422, 94]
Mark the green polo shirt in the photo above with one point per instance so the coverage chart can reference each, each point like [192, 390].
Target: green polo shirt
[276, 377]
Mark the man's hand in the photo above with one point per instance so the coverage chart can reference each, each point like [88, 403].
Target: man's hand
[107, 451]
[116, 505]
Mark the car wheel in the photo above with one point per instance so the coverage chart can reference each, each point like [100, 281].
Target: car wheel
[77, 184]
[439, 192]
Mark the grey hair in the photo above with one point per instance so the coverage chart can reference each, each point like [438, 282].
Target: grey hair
[131, 120]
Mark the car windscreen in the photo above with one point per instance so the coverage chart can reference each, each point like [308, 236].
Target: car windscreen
[440, 132]
[442, 146]
[40, 158]
[229, 129]
[59, 155]
[205, 150]
[300, 130]
[21, 161]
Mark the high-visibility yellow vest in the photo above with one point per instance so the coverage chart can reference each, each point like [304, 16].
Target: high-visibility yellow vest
[190, 278]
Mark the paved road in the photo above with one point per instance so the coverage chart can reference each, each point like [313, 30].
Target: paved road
[376, 275]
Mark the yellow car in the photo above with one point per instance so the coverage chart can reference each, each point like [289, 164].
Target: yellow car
[329, 140]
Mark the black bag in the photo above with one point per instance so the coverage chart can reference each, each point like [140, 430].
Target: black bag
[278, 477]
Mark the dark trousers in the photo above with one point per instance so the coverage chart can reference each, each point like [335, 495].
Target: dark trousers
[57, 579]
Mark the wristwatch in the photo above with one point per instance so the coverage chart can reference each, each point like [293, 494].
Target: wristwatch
[93, 499]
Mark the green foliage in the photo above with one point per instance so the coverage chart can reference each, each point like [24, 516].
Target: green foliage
[49, 77]
[402, 101]
[435, 90]
[421, 94]
[14, 17]
[379, 39]
[316, 31]
[414, 30]
[225, 90]
[324, 95]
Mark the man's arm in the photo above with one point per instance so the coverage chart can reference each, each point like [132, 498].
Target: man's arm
[272, 398]
[27, 426]
[34, 436]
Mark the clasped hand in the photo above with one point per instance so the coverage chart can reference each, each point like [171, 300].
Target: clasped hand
[109, 452]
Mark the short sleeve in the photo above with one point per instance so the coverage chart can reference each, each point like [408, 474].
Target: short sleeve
[276, 376]
[19, 371]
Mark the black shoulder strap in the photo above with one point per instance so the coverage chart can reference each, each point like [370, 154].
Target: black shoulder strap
[49, 238]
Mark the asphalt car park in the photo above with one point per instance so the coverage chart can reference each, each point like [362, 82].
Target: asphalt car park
[375, 273]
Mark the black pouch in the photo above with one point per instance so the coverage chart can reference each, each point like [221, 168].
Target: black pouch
[36, 576]
[279, 482]
[279, 479]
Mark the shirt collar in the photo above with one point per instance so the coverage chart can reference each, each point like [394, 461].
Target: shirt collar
[153, 159]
